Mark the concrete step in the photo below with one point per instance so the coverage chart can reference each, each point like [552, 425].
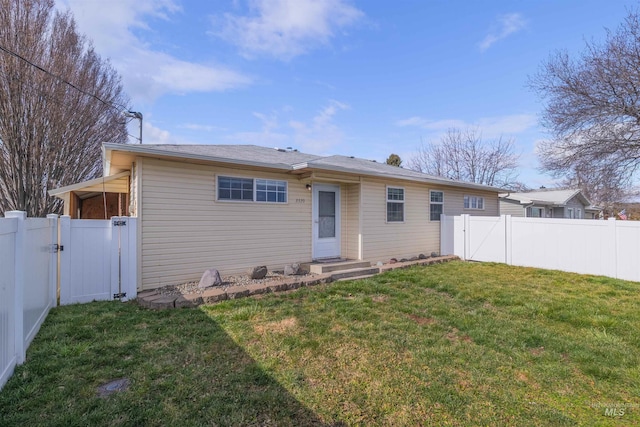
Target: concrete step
[366, 276]
[320, 267]
[354, 272]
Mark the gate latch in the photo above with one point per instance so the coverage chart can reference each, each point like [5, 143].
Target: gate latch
[57, 248]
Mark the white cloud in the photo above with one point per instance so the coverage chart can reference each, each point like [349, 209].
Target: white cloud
[491, 127]
[316, 135]
[505, 26]
[147, 73]
[286, 28]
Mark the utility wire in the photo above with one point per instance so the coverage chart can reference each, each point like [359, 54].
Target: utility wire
[113, 105]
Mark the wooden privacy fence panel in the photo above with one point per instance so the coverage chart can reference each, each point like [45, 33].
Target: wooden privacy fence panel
[608, 248]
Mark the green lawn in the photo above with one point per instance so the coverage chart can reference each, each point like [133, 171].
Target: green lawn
[449, 344]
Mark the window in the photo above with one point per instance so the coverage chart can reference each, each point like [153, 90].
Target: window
[268, 190]
[536, 212]
[578, 213]
[235, 188]
[395, 204]
[473, 202]
[436, 205]
[570, 213]
[252, 190]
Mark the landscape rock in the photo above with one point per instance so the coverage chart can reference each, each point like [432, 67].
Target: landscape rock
[393, 261]
[210, 277]
[293, 269]
[403, 260]
[422, 256]
[259, 272]
[379, 264]
[414, 258]
[434, 254]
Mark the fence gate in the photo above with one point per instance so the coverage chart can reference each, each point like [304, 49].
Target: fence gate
[97, 259]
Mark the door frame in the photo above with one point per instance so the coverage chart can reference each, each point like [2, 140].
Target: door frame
[315, 241]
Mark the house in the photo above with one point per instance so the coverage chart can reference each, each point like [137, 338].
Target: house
[232, 207]
[548, 204]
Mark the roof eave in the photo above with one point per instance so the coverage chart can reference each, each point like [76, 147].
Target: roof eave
[429, 180]
[141, 149]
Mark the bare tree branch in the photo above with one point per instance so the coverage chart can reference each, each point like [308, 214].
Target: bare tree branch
[463, 155]
[52, 124]
[593, 111]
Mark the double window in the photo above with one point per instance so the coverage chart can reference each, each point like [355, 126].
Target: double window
[252, 190]
[395, 204]
[436, 205]
[473, 202]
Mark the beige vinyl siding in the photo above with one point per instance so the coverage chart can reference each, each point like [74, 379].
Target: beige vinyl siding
[186, 231]
[383, 240]
[350, 207]
[511, 208]
[417, 234]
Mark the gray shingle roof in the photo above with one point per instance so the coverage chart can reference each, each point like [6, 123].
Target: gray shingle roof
[288, 160]
[555, 197]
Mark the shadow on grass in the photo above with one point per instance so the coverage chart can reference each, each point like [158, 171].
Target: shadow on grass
[184, 369]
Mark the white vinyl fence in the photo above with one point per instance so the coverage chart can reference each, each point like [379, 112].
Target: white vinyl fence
[28, 273]
[608, 248]
[85, 260]
[97, 260]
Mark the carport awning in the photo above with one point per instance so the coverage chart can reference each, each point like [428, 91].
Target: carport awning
[118, 183]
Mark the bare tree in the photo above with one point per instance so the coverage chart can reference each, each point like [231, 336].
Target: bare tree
[58, 102]
[602, 188]
[593, 110]
[464, 156]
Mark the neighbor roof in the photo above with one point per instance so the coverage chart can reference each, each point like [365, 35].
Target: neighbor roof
[283, 159]
[548, 197]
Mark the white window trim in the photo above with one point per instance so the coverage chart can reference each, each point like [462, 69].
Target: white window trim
[435, 203]
[386, 206]
[469, 196]
[255, 188]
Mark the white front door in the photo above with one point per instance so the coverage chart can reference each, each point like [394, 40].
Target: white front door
[326, 221]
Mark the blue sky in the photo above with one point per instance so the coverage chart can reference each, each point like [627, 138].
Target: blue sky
[359, 78]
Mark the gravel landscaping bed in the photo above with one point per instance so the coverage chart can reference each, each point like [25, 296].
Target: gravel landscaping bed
[227, 281]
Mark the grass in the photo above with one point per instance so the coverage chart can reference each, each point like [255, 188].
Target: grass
[450, 344]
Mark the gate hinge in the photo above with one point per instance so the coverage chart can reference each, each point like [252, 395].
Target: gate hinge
[119, 223]
[57, 248]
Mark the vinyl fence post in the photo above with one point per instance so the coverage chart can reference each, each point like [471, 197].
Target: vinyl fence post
[19, 287]
[507, 239]
[65, 260]
[53, 261]
[612, 251]
[467, 235]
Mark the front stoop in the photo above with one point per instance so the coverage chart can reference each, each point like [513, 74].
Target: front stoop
[328, 267]
[353, 270]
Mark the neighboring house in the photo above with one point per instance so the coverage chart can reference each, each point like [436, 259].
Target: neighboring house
[548, 204]
[232, 207]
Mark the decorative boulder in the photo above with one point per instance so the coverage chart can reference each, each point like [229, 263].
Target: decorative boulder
[292, 269]
[434, 254]
[422, 256]
[413, 258]
[258, 272]
[210, 277]
[403, 260]
[393, 261]
[379, 264]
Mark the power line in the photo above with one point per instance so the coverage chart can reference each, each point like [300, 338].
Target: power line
[113, 105]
